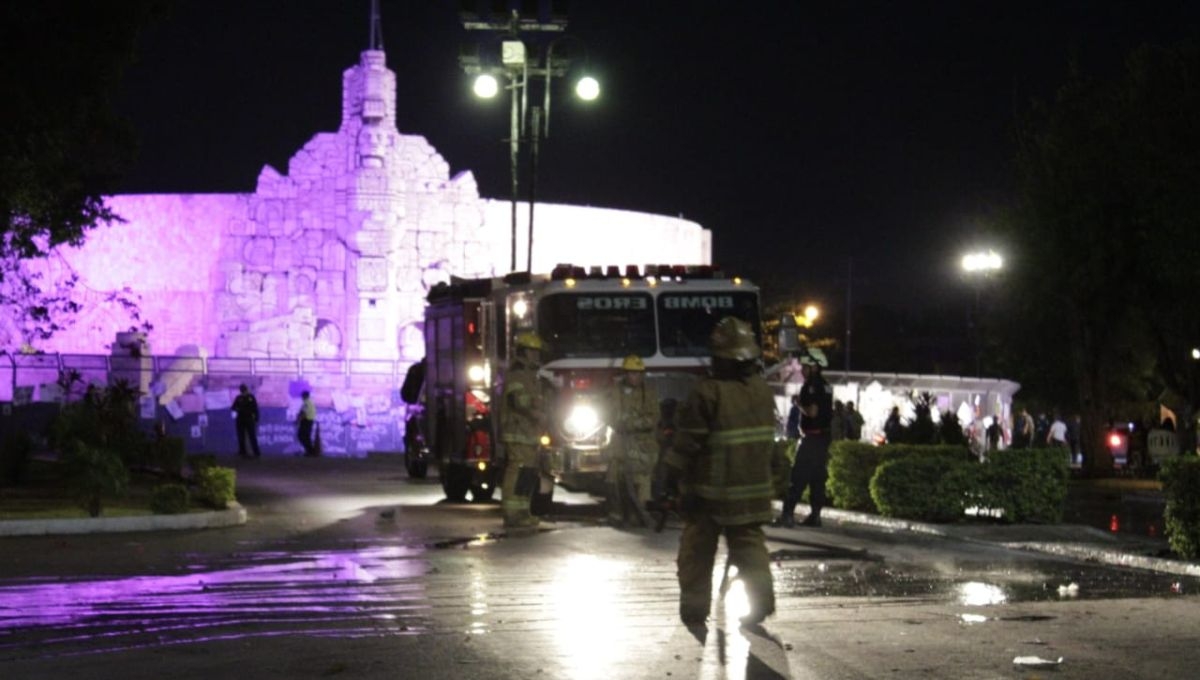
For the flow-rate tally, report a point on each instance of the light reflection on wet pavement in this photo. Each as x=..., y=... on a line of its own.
x=583, y=601
x=369, y=591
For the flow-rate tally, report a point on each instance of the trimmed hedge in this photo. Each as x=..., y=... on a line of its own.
x=853, y=464
x=1030, y=485
x=782, y=459
x=215, y=486
x=169, y=499
x=924, y=487
x=1027, y=485
x=1181, y=486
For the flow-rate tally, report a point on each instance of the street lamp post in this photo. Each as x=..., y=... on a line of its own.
x=979, y=266
x=518, y=67
x=587, y=89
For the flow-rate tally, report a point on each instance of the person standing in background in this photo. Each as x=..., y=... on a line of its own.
x=306, y=419
x=245, y=411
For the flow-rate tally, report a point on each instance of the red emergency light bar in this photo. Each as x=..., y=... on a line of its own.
x=562, y=272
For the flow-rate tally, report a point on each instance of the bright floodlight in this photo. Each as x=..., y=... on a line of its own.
x=1196, y=352
x=588, y=88
x=485, y=86
x=982, y=262
x=811, y=313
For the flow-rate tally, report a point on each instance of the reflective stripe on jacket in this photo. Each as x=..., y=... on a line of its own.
x=724, y=446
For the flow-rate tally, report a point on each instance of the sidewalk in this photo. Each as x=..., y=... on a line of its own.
x=1125, y=505
x=234, y=515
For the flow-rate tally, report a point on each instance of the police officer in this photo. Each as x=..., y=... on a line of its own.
x=812, y=456
x=521, y=424
x=722, y=461
x=634, y=412
x=245, y=410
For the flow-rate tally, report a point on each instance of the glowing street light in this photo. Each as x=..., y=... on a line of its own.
x=522, y=63
x=980, y=265
x=982, y=262
x=809, y=317
x=587, y=89
x=486, y=86
x=1196, y=353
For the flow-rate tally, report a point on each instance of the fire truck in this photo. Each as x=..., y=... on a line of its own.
x=591, y=319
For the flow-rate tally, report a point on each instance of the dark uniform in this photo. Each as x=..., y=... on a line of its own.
x=722, y=455
x=245, y=408
x=812, y=456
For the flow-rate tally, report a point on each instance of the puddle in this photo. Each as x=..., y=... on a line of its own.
x=368, y=591
x=972, y=584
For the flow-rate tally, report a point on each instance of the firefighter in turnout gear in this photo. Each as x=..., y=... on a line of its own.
x=633, y=408
x=522, y=422
x=722, y=461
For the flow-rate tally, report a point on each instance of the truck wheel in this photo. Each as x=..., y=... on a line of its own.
x=456, y=481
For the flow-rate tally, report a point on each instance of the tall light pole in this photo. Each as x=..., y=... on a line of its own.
x=587, y=89
x=979, y=266
x=519, y=66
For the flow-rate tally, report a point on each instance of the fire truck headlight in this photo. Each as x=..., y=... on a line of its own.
x=476, y=374
x=582, y=421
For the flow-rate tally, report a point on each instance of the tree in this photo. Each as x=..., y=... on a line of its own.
x=41, y=296
x=62, y=144
x=33, y=307
x=1163, y=97
x=1105, y=229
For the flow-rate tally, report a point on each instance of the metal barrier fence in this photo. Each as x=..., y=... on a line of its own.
x=357, y=408
x=206, y=365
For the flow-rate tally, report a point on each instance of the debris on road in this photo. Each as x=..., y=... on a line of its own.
x=1037, y=663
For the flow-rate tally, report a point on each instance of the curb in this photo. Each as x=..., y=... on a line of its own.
x=1079, y=551
x=1113, y=557
x=234, y=515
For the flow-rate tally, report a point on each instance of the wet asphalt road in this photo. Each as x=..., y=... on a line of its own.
x=320, y=584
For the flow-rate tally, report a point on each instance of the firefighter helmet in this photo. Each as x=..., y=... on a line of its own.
x=733, y=338
x=633, y=363
x=530, y=340
x=814, y=357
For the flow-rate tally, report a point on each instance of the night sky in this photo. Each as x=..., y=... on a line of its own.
x=801, y=133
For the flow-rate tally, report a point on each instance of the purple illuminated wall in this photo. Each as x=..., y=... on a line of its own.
x=334, y=258
x=331, y=260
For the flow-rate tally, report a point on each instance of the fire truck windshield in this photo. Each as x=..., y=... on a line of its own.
x=597, y=324
x=687, y=318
